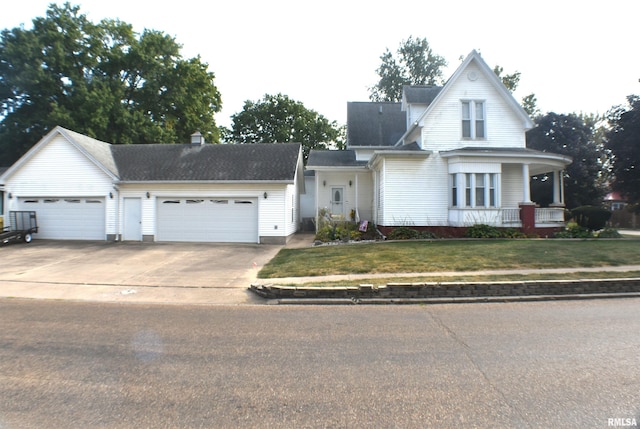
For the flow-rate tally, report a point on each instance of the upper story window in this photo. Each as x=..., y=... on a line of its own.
x=473, y=120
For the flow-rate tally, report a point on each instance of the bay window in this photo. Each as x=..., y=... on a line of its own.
x=480, y=190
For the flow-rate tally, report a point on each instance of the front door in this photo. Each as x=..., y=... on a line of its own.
x=132, y=228
x=337, y=201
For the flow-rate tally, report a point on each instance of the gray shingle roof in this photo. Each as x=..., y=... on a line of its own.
x=333, y=158
x=186, y=162
x=374, y=124
x=99, y=150
x=209, y=162
x=420, y=94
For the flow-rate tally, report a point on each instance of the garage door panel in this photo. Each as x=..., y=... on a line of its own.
x=75, y=218
x=208, y=219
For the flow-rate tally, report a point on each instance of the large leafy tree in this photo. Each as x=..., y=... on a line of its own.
x=574, y=136
x=103, y=80
x=511, y=81
x=414, y=64
x=623, y=140
x=279, y=119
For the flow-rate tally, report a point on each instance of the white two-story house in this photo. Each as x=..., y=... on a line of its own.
x=445, y=158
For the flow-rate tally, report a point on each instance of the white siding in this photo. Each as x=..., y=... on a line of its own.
x=416, y=192
x=58, y=169
x=442, y=129
x=308, y=199
x=512, y=193
x=273, y=218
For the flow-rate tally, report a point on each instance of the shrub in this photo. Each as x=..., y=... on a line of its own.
x=482, y=231
x=402, y=233
x=344, y=231
x=591, y=217
x=609, y=233
x=574, y=231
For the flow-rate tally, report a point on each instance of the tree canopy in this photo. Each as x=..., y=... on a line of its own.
x=415, y=64
x=623, y=140
x=102, y=80
x=279, y=119
x=574, y=136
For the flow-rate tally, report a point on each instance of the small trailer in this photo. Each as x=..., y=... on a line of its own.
x=22, y=226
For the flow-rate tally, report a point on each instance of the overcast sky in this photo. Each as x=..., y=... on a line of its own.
x=574, y=55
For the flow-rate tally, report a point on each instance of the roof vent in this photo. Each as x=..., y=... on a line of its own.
x=197, y=138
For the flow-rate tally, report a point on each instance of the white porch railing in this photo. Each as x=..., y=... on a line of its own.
x=550, y=215
x=510, y=216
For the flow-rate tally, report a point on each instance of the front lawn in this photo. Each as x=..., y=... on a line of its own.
x=450, y=255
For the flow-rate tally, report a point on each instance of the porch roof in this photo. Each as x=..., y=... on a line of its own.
x=539, y=162
x=333, y=158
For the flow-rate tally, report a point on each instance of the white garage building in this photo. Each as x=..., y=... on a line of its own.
x=85, y=189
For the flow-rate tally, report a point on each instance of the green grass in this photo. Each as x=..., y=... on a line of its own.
x=450, y=255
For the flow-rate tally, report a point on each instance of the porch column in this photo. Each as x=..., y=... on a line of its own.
x=527, y=207
x=525, y=184
x=558, y=192
x=556, y=187
x=357, y=219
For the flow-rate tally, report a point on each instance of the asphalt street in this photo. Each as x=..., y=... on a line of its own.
x=571, y=364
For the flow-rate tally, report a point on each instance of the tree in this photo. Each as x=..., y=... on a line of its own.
x=102, y=80
x=529, y=102
x=623, y=140
x=568, y=135
x=416, y=64
x=279, y=119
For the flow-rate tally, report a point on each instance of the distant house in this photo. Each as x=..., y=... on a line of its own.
x=85, y=189
x=444, y=158
x=614, y=201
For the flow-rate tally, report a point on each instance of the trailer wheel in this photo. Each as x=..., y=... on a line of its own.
x=27, y=237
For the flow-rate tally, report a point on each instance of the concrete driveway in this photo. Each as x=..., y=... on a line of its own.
x=132, y=272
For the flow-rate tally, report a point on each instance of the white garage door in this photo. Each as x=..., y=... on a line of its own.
x=222, y=220
x=78, y=218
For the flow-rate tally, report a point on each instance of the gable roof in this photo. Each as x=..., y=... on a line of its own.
x=474, y=57
x=182, y=162
x=374, y=124
x=208, y=162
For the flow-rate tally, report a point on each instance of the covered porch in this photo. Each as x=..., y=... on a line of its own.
x=493, y=187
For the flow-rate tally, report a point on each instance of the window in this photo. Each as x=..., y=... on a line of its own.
x=473, y=120
x=467, y=190
x=480, y=190
x=454, y=191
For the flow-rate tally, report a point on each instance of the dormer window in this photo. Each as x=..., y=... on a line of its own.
x=473, y=123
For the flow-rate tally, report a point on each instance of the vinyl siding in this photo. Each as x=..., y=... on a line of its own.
x=511, y=185
x=416, y=192
x=58, y=169
x=271, y=211
x=442, y=129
